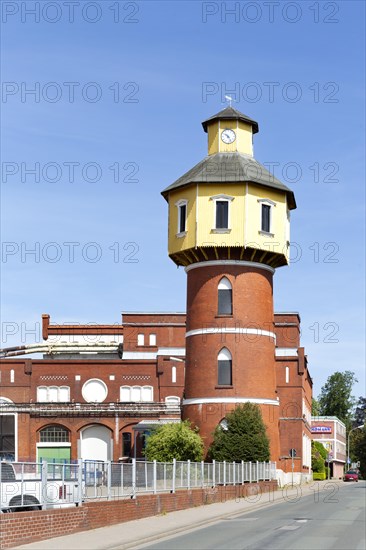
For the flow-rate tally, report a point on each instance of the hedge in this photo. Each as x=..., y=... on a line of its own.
x=319, y=476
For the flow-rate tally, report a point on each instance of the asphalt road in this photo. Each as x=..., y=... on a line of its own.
x=333, y=519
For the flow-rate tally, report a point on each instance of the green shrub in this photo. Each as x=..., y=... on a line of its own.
x=174, y=440
x=243, y=438
x=319, y=476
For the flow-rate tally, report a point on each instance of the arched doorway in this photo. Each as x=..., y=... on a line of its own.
x=96, y=443
x=54, y=444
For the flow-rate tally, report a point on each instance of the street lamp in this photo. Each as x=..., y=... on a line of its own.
x=349, y=433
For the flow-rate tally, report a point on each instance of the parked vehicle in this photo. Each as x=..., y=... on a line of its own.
x=25, y=487
x=351, y=475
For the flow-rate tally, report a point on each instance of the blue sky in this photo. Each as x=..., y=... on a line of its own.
x=141, y=77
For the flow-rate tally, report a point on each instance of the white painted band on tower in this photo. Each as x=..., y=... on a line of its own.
x=239, y=263
x=207, y=400
x=231, y=330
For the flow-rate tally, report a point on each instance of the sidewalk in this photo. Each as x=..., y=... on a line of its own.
x=142, y=531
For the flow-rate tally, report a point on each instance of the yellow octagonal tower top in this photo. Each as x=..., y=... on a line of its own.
x=228, y=206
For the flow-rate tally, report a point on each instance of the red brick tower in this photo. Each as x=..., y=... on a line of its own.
x=229, y=226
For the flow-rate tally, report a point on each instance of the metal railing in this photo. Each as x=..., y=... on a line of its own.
x=108, y=480
x=52, y=484
x=80, y=409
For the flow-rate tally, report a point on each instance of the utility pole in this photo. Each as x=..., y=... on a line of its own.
x=292, y=455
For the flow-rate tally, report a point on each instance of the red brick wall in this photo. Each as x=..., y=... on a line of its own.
x=26, y=527
x=287, y=327
x=253, y=355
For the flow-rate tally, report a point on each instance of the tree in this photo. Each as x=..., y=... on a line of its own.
x=318, y=457
x=336, y=396
x=360, y=412
x=242, y=437
x=358, y=446
x=174, y=440
x=315, y=411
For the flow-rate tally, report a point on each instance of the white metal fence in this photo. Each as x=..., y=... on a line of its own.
x=60, y=484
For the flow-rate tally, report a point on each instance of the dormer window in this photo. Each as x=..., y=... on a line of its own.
x=266, y=225
x=222, y=213
x=182, y=217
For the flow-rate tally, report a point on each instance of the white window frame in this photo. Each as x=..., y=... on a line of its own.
x=222, y=198
x=141, y=339
x=271, y=204
x=172, y=401
x=287, y=373
x=152, y=339
x=225, y=355
x=139, y=389
x=48, y=392
x=128, y=390
x=224, y=284
x=179, y=204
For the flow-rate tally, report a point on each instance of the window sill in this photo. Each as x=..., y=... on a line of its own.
x=224, y=387
x=266, y=234
x=223, y=230
x=225, y=315
x=181, y=235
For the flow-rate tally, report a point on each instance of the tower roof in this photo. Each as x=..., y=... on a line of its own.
x=231, y=168
x=229, y=113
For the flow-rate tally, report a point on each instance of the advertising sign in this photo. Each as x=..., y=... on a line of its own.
x=321, y=430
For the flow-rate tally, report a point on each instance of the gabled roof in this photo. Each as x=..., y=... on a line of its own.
x=229, y=113
x=231, y=168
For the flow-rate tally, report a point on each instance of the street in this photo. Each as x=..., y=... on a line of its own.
x=334, y=519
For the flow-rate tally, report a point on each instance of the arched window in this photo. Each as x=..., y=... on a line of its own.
x=54, y=434
x=146, y=393
x=224, y=374
x=53, y=394
x=172, y=401
x=136, y=393
x=126, y=444
x=225, y=297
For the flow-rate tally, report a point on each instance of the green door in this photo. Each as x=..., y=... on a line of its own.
x=54, y=454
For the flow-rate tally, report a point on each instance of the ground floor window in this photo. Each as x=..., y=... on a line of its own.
x=7, y=437
x=126, y=442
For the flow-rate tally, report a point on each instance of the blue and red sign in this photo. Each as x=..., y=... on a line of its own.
x=321, y=430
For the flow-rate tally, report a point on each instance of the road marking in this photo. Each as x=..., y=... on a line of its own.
x=301, y=520
x=241, y=519
x=289, y=528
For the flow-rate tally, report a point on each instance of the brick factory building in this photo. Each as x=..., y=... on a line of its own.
x=98, y=390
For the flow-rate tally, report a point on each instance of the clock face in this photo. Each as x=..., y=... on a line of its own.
x=228, y=136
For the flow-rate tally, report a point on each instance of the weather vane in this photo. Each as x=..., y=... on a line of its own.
x=228, y=99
